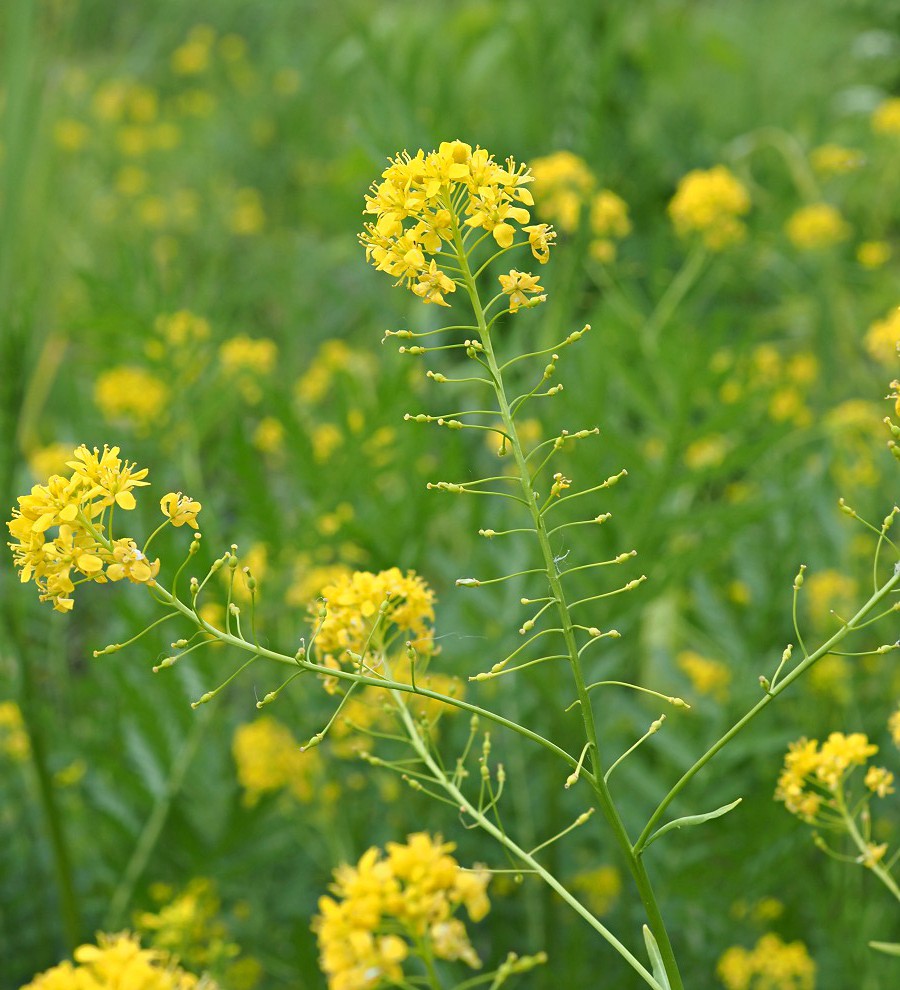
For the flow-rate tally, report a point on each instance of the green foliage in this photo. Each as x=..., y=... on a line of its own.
x=725, y=495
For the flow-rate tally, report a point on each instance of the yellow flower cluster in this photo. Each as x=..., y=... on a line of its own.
x=353, y=602
x=388, y=903
x=188, y=927
x=709, y=203
x=426, y=200
x=564, y=187
x=814, y=774
x=835, y=159
x=707, y=676
x=785, y=382
x=80, y=507
x=883, y=338
x=771, y=965
x=816, y=227
x=873, y=254
x=131, y=395
x=116, y=962
x=14, y=742
x=609, y=223
x=886, y=118
x=600, y=888
x=269, y=759
x=562, y=183
x=244, y=360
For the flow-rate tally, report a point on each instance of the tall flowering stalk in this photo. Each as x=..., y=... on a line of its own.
x=440, y=222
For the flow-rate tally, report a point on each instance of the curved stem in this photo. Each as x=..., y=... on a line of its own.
x=462, y=802
x=826, y=648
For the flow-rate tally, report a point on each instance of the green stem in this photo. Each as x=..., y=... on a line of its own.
x=883, y=875
x=671, y=299
x=823, y=650
x=462, y=802
x=53, y=816
x=149, y=837
x=601, y=790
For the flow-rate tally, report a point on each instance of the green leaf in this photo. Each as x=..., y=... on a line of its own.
x=891, y=948
x=656, y=962
x=692, y=820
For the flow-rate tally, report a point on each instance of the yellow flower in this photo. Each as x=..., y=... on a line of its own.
x=707, y=676
x=424, y=200
x=609, y=215
x=411, y=893
x=893, y=725
x=247, y=215
x=182, y=328
x=873, y=254
x=14, y=742
x=180, y=509
x=519, y=286
x=353, y=603
x=248, y=354
x=132, y=395
x=540, y=238
x=562, y=184
x=883, y=338
x=886, y=118
x=431, y=285
x=879, y=781
x=106, y=477
x=600, y=887
x=129, y=562
x=269, y=759
x=834, y=159
x=118, y=961
x=708, y=203
x=817, y=226
x=269, y=435
x=771, y=965
x=45, y=461
x=193, y=57
x=70, y=135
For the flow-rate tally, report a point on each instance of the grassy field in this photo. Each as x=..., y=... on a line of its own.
x=181, y=190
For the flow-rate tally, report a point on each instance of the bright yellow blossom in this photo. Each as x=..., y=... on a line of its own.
x=883, y=337
x=834, y=159
x=771, y=965
x=180, y=509
x=426, y=201
x=709, y=203
x=873, y=254
x=132, y=395
x=886, y=118
x=816, y=227
x=388, y=905
x=117, y=962
x=519, y=286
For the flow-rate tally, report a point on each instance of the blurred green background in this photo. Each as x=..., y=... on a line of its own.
x=211, y=159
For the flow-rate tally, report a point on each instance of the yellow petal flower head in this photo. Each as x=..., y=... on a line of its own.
x=352, y=605
x=883, y=338
x=519, y=286
x=180, y=509
x=408, y=895
x=886, y=118
x=708, y=203
x=432, y=284
x=106, y=477
x=130, y=562
x=816, y=227
x=433, y=203
x=117, y=962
